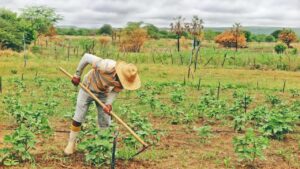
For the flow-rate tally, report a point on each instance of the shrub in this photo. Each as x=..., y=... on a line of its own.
x=104, y=40
x=280, y=48
x=227, y=39
x=133, y=40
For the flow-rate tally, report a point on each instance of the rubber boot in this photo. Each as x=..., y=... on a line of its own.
x=70, y=149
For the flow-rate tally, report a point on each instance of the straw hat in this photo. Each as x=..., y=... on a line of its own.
x=128, y=75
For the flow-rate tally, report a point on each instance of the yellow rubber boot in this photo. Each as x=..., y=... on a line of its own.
x=71, y=147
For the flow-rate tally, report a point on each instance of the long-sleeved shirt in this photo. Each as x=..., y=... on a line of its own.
x=102, y=78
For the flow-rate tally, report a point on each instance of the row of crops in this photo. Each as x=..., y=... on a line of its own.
x=32, y=105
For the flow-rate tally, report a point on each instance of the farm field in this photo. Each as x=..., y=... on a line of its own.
x=195, y=120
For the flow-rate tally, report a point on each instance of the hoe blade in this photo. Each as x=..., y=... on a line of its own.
x=140, y=151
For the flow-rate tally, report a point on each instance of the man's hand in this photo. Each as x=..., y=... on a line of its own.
x=75, y=80
x=107, y=109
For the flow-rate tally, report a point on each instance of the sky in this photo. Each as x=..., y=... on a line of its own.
x=215, y=13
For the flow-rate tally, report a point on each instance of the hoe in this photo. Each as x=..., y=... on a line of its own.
x=145, y=145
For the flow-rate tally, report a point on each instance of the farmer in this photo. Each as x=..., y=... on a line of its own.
x=105, y=80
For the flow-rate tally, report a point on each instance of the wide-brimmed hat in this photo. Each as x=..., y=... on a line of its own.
x=128, y=75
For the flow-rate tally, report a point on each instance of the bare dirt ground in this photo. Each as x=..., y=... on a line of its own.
x=179, y=147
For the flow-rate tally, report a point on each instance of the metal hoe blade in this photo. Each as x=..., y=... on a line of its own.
x=140, y=151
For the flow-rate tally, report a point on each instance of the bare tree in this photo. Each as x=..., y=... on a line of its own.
x=236, y=30
x=195, y=29
x=178, y=28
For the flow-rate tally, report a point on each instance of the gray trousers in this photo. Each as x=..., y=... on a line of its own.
x=83, y=102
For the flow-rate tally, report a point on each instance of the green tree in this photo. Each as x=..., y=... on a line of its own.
x=259, y=38
x=152, y=31
x=276, y=33
x=13, y=29
x=247, y=35
x=105, y=29
x=40, y=17
x=210, y=34
x=270, y=38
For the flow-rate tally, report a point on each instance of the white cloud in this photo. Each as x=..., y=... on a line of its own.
x=91, y=13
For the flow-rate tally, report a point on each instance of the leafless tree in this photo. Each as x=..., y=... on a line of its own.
x=178, y=28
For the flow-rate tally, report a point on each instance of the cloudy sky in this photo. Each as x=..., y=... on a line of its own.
x=94, y=13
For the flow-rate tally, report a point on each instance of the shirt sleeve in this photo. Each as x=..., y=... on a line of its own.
x=85, y=60
x=111, y=96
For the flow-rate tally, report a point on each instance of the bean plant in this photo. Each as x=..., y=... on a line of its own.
x=249, y=147
x=20, y=142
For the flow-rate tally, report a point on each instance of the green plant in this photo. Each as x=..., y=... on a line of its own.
x=204, y=133
x=295, y=92
x=142, y=127
x=250, y=147
x=279, y=48
x=278, y=123
x=20, y=142
x=177, y=96
x=96, y=145
x=258, y=115
x=211, y=107
x=239, y=122
x=274, y=100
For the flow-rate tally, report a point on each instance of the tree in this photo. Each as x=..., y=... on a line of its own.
x=13, y=29
x=195, y=28
x=210, y=34
x=276, y=33
x=248, y=35
x=236, y=31
x=41, y=18
x=152, y=31
x=105, y=29
x=288, y=36
x=178, y=28
x=259, y=38
x=270, y=38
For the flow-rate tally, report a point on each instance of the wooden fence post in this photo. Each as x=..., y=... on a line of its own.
x=0, y=84
x=219, y=87
x=199, y=83
x=284, y=84
x=69, y=50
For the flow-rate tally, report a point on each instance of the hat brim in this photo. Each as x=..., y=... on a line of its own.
x=128, y=85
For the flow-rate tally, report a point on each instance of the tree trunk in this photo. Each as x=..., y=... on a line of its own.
x=178, y=43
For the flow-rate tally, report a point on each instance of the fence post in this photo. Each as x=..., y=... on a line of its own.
x=218, y=94
x=284, y=84
x=69, y=50
x=0, y=84
x=199, y=82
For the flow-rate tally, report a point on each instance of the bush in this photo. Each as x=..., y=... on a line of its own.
x=227, y=39
x=133, y=40
x=280, y=48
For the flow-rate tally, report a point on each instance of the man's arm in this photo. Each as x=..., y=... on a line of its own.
x=85, y=60
x=111, y=96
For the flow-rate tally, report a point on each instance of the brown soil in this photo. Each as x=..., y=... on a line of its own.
x=180, y=146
